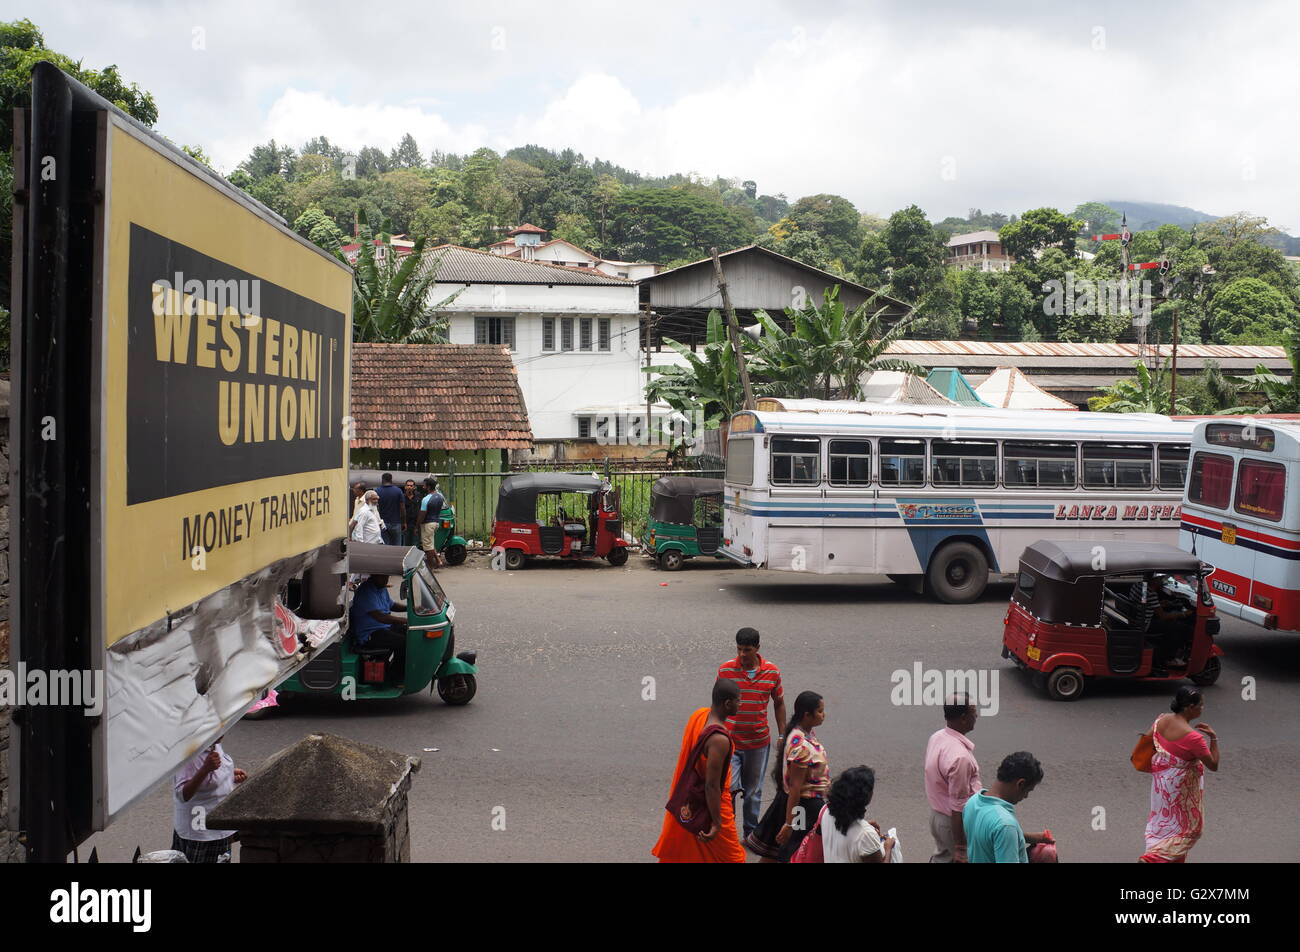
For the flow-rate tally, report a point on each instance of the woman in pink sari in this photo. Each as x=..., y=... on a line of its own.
x=1177, y=779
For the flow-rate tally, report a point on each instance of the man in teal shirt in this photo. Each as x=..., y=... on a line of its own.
x=993, y=833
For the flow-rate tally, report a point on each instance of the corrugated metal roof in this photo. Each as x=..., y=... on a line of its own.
x=1064, y=349
x=457, y=265
x=971, y=237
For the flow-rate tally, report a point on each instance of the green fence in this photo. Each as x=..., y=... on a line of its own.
x=474, y=493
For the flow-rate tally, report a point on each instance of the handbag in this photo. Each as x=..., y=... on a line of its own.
x=689, y=804
x=1143, y=751
x=810, y=847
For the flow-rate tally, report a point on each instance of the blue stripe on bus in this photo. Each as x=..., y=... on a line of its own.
x=1242, y=542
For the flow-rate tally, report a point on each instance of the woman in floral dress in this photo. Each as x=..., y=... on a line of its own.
x=1182, y=752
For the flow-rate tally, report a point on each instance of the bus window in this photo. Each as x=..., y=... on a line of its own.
x=1261, y=489
x=1173, y=464
x=964, y=463
x=1117, y=465
x=1039, y=465
x=850, y=462
x=902, y=463
x=1211, y=480
x=740, y=462
x=796, y=461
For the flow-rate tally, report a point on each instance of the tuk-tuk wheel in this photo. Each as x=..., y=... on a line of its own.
x=455, y=554
x=514, y=559
x=1065, y=684
x=617, y=556
x=1209, y=674
x=670, y=561
x=457, y=689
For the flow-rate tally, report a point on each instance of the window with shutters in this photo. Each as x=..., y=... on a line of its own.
x=495, y=330
x=566, y=333
x=602, y=333
x=548, y=333
x=584, y=333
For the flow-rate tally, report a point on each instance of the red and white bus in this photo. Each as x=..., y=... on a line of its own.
x=1241, y=514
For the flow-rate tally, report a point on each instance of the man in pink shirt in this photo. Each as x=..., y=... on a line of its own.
x=952, y=776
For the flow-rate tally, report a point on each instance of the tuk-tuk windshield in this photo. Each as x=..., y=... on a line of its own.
x=427, y=595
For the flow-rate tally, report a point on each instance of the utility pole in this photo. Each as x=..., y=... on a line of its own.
x=733, y=331
x=1173, y=375
x=651, y=321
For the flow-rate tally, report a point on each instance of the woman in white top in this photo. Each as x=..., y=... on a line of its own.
x=366, y=525
x=847, y=835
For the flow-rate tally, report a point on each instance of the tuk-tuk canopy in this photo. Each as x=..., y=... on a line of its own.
x=517, y=498
x=1063, y=582
x=672, y=498
x=1073, y=559
x=373, y=558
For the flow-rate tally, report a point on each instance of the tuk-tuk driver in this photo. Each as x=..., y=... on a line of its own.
x=1174, y=621
x=372, y=618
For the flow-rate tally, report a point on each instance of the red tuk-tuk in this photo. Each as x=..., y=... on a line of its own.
x=518, y=531
x=1084, y=609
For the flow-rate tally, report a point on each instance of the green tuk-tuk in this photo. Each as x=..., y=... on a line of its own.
x=350, y=672
x=685, y=520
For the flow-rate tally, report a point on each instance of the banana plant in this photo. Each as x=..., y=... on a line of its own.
x=828, y=349
x=709, y=379
x=1281, y=394
x=390, y=295
x=1146, y=393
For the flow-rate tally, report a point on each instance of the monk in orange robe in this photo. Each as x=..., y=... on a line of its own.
x=719, y=844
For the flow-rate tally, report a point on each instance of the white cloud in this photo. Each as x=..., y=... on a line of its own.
x=1030, y=106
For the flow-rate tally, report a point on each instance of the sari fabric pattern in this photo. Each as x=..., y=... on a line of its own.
x=1177, y=815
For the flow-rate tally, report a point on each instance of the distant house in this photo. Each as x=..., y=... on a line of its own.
x=572, y=334
x=526, y=243
x=980, y=250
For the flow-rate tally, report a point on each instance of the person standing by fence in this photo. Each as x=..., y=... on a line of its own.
x=411, y=514
x=390, y=509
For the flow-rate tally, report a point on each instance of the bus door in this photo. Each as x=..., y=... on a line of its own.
x=795, y=504
x=849, y=524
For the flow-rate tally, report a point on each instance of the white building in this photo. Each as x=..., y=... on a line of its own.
x=574, y=334
x=526, y=244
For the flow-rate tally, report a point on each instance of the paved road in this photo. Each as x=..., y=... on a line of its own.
x=561, y=738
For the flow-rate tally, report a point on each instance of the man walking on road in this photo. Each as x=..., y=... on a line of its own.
x=759, y=682
x=431, y=507
x=390, y=509
x=992, y=828
x=718, y=844
x=952, y=776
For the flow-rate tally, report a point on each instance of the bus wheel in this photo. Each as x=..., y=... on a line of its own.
x=670, y=561
x=1209, y=674
x=958, y=573
x=514, y=559
x=1065, y=684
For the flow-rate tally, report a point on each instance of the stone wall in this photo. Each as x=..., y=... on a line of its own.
x=11, y=851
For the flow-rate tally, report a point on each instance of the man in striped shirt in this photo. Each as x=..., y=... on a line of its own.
x=759, y=682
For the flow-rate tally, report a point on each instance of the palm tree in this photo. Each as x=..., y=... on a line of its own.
x=1281, y=394
x=390, y=295
x=1148, y=392
x=826, y=345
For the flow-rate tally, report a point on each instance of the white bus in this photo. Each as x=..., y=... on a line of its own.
x=937, y=498
x=1242, y=515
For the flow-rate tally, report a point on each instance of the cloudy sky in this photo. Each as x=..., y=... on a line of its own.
x=1003, y=106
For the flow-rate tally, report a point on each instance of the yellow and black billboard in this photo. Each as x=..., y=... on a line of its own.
x=224, y=391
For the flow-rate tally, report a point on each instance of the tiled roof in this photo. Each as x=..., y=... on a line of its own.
x=437, y=396
x=457, y=265
x=528, y=229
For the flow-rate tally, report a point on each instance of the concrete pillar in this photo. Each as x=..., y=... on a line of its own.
x=325, y=799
